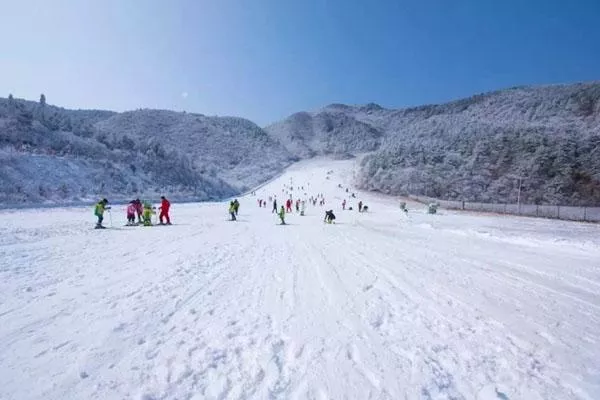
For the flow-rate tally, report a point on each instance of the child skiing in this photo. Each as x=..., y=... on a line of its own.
x=232, y=211
x=99, y=212
x=131, y=208
x=282, y=215
x=147, y=215
x=164, y=210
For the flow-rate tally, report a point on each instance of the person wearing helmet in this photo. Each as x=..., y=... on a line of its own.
x=99, y=212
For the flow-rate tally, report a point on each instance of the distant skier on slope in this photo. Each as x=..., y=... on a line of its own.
x=360, y=204
x=282, y=215
x=148, y=213
x=329, y=217
x=99, y=212
x=303, y=208
x=236, y=205
x=344, y=204
x=274, y=206
x=139, y=209
x=232, y=211
x=165, y=205
x=131, y=208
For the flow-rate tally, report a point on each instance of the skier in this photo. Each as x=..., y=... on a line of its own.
x=329, y=217
x=303, y=208
x=139, y=209
x=232, y=211
x=164, y=210
x=344, y=204
x=148, y=212
x=259, y=203
x=99, y=212
x=360, y=206
x=282, y=215
x=298, y=205
x=131, y=208
x=236, y=206
x=288, y=206
x=274, y=206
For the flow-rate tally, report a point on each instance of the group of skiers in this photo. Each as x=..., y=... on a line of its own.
x=143, y=211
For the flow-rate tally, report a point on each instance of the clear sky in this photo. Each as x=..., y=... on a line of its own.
x=265, y=59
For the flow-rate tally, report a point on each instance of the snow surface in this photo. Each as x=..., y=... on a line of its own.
x=378, y=306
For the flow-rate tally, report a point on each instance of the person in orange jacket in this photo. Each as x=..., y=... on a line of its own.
x=164, y=210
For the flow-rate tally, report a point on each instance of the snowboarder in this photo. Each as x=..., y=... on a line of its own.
x=164, y=210
x=282, y=215
x=99, y=212
x=236, y=206
x=329, y=217
x=232, y=211
x=148, y=213
x=131, y=208
x=360, y=206
x=344, y=204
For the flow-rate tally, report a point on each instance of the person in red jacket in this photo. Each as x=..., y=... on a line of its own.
x=164, y=210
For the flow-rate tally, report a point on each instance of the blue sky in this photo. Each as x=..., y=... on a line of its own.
x=265, y=59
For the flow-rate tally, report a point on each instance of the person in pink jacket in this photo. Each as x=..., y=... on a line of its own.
x=131, y=209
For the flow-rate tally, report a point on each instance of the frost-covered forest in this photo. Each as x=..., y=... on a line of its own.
x=546, y=138
x=474, y=149
x=49, y=154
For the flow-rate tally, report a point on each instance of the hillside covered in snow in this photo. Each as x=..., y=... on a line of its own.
x=49, y=154
x=473, y=149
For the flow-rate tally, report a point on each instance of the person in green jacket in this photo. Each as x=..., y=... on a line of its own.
x=232, y=210
x=99, y=212
x=147, y=215
x=282, y=215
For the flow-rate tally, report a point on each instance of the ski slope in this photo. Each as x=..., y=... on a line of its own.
x=378, y=306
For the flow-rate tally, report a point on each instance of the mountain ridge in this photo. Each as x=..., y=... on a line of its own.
x=464, y=149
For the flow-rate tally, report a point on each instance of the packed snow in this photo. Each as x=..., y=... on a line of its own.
x=379, y=305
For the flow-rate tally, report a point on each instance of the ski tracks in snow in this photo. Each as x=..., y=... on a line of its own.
x=378, y=306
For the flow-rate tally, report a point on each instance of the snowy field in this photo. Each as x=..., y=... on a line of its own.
x=378, y=306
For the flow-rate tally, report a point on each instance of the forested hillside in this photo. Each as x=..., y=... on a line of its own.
x=473, y=149
x=49, y=154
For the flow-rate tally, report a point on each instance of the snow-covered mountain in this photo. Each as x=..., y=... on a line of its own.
x=472, y=149
x=49, y=154
x=336, y=130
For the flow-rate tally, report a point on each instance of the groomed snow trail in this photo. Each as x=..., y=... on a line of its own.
x=378, y=306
